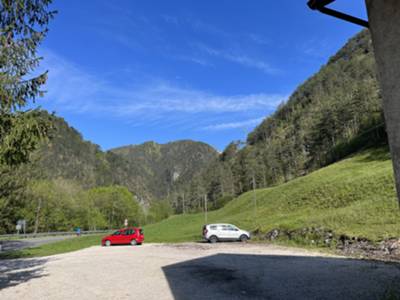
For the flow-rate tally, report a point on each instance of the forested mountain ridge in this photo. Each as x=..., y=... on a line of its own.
x=165, y=167
x=334, y=113
x=148, y=170
x=327, y=112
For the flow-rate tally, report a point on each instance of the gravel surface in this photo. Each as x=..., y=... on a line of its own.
x=196, y=271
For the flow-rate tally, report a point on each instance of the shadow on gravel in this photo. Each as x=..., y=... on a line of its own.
x=241, y=276
x=14, y=272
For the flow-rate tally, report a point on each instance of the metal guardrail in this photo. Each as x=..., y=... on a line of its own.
x=55, y=233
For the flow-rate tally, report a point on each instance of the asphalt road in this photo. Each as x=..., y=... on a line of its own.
x=31, y=242
x=197, y=271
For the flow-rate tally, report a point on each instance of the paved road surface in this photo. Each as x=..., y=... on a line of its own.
x=196, y=271
x=31, y=242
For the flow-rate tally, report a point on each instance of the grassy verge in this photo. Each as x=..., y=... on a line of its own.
x=68, y=245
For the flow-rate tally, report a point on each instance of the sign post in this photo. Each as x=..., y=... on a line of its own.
x=205, y=209
x=21, y=225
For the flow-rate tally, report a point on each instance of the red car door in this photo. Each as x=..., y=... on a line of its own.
x=127, y=236
x=132, y=235
x=116, y=237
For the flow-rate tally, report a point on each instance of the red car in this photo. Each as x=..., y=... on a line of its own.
x=131, y=235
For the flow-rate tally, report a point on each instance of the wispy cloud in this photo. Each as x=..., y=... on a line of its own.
x=235, y=125
x=74, y=90
x=163, y=97
x=170, y=19
x=141, y=34
x=208, y=28
x=315, y=47
x=252, y=63
x=238, y=58
x=258, y=39
x=193, y=59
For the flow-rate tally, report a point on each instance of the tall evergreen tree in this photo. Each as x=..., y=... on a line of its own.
x=23, y=26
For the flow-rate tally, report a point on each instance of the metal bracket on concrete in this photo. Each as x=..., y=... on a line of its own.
x=320, y=5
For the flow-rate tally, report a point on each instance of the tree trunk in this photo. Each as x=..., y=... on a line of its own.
x=183, y=203
x=254, y=199
x=37, y=215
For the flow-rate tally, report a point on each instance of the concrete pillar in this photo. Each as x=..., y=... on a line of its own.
x=384, y=19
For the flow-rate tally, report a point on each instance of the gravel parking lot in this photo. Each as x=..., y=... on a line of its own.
x=197, y=271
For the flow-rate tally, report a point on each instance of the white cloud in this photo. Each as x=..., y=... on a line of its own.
x=193, y=59
x=241, y=59
x=252, y=63
x=170, y=19
x=208, y=28
x=72, y=89
x=258, y=39
x=163, y=97
x=315, y=47
x=235, y=125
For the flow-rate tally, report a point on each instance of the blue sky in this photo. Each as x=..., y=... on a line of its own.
x=125, y=72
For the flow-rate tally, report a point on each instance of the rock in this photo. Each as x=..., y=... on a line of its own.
x=347, y=245
x=272, y=235
x=257, y=233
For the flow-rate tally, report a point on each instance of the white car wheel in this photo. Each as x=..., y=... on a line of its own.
x=213, y=239
x=243, y=238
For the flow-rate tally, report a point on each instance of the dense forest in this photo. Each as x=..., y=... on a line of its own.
x=166, y=168
x=148, y=170
x=333, y=114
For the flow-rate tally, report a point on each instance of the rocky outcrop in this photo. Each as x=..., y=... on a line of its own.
x=360, y=247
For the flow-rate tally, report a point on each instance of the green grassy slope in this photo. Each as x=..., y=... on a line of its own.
x=68, y=245
x=355, y=197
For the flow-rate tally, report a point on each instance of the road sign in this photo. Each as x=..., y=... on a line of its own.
x=21, y=224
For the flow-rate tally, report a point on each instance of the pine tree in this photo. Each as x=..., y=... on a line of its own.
x=23, y=26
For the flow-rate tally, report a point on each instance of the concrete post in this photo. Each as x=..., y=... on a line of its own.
x=384, y=20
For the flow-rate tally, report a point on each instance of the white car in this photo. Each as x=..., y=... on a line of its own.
x=224, y=232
